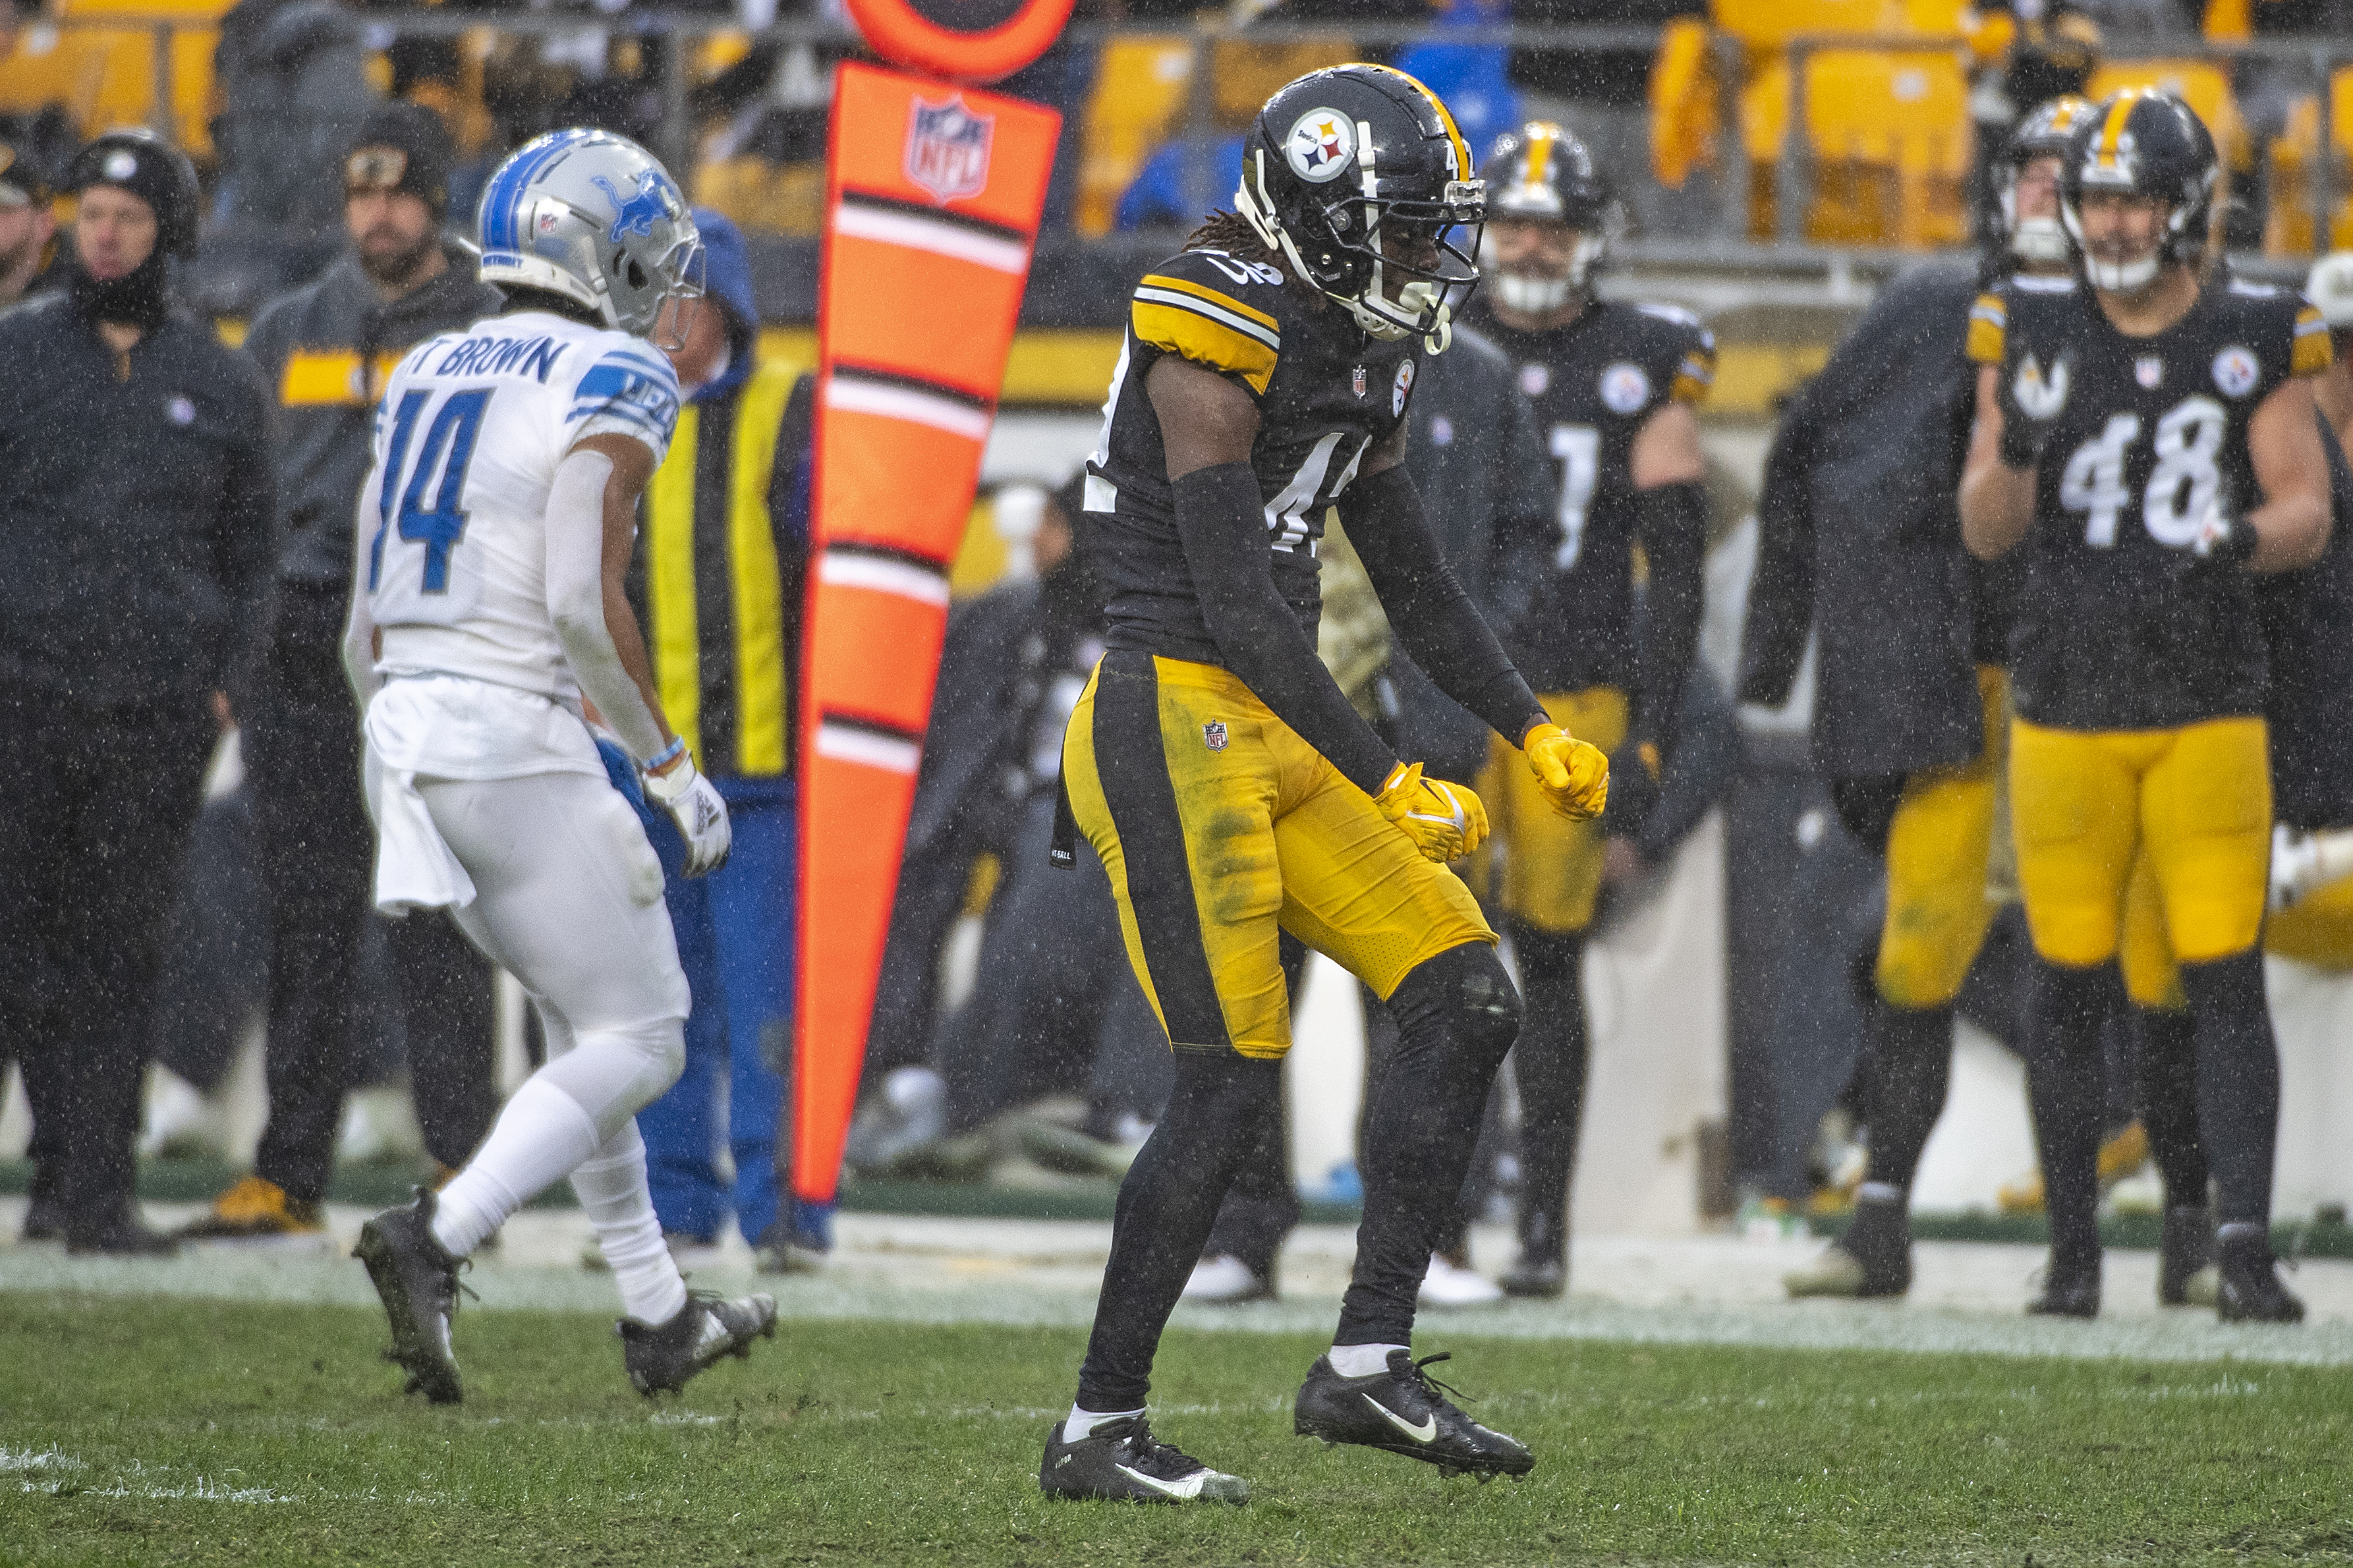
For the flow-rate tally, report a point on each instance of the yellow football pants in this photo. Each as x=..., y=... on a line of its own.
x=2196, y=801
x=1937, y=850
x=1220, y=828
x=1552, y=867
x=2318, y=930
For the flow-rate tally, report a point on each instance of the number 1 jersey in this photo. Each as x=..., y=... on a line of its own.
x=468, y=438
x=2118, y=626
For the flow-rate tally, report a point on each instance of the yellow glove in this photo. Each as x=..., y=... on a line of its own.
x=1573, y=774
x=1444, y=820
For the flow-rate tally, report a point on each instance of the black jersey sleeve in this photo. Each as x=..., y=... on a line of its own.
x=1681, y=353
x=1212, y=310
x=1257, y=634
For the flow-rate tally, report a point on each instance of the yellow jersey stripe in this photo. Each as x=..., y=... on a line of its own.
x=2313, y=352
x=1989, y=329
x=670, y=584
x=760, y=673
x=1203, y=339
x=1203, y=292
x=317, y=378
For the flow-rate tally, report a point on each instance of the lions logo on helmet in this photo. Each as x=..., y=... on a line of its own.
x=594, y=218
x=1408, y=211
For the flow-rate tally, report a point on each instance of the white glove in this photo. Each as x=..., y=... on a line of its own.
x=701, y=815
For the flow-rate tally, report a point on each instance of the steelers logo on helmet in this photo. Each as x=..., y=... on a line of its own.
x=1393, y=242
x=2235, y=372
x=1321, y=146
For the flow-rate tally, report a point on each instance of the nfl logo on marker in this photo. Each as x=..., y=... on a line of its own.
x=947, y=148
x=1213, y=734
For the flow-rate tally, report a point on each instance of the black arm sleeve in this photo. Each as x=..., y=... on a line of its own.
x=1781, y=593
x=1434, y=618
x=1218, y=522
x=1672, y=521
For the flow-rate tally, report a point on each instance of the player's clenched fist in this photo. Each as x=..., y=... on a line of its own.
x=1573, y=775
x=1444, y=820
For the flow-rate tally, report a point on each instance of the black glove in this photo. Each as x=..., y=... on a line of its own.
x=2029, y=401
x=2223, y=543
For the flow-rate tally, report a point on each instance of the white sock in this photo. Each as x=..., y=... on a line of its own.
x=1879, y=1193
x=542, y=1134
x=1079, y=1423
x=1361, y=1361
x=611, y=1186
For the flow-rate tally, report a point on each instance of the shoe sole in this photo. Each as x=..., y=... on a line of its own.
x=1232, y=1489
x=429, y=1374
x=1484, y=1467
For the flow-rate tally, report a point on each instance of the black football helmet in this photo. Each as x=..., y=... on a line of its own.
x=1355, y=173
x=2142, y=143
x=149, y=168
x=2043, y=133
x=1541, y=174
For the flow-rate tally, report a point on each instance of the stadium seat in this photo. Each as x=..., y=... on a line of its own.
x=105, y=75
x=1139, y=94
x=763, y=197
x=2294, y=157
x=1891, y=140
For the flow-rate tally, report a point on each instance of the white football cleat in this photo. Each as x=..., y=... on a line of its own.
x=1448, y=1286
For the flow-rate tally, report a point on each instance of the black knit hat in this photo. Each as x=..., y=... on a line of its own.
x=140, y=161
x=20, y=173
x=424, y=154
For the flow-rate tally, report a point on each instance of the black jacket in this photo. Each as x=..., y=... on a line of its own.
x=135, y=508
x=324, y=352
x=1861, y=512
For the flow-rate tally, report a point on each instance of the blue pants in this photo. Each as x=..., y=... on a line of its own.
x=736, y=942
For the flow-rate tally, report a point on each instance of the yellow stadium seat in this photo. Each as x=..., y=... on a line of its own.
x=2294, y=156
x=758, y=196
x=1767, y=25
x=105, y=75
x=1891, y=140
x=1139, y=94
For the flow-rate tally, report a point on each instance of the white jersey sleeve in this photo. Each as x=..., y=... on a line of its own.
x=467, y=441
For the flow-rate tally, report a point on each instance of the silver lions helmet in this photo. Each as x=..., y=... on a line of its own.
x=595, y=218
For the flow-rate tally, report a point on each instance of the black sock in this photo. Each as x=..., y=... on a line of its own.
x=1549, y=1066
x=2238, y=1083
x=2168, y=1102
x=2065, y=1087
x=1457, y=1016
x=1166, y=1206
x=1911, y=1058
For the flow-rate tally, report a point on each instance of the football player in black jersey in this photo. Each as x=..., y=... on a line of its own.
x=1233, y=792
x=1614, y=387
x=2148, y=434
x=1911, y=710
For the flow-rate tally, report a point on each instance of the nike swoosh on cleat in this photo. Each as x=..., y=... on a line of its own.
x=1425, y=1433
x=1189, y=1488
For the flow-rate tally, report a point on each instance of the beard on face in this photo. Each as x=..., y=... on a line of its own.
x=384, y=259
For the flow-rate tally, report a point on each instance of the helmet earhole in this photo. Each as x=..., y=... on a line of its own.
x=636, y=273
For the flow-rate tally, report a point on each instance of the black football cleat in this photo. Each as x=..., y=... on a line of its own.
x=1537, y=1277
x=663, y=1357
x=2068, y=1292
x=416, y=1280
x=1119, y=1461
x=1403, y=1410
x=2249, y=1289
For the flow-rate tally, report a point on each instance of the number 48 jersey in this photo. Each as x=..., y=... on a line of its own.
x=454, y=515
x=2118, y=626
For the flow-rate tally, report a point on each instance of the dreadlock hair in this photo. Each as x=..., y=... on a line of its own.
x=1231, y=232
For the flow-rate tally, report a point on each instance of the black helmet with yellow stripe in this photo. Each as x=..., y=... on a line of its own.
x=1541, y=174
x=1357, y=176
x=2044, y=133
x=2147, y=144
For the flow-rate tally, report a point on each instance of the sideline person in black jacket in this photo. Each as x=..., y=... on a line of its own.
x=324, y=352
x=135, y=520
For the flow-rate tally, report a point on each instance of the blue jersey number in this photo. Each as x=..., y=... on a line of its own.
x=449, y=447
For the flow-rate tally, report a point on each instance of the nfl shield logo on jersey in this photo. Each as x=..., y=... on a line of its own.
x=947, y=149
x=2148, y=370
x=1357, y=380
x=1213, y=734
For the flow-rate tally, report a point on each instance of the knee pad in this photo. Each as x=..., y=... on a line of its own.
x=616, y=1072
x=1463, y=996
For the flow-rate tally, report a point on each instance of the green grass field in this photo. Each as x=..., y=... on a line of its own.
x=147, y=1431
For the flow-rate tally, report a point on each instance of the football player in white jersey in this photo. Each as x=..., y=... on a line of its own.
x=487, y=619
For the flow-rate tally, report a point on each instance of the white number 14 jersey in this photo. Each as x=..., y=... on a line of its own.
x=468, y=438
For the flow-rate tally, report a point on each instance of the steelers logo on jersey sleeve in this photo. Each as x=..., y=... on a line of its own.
x=1625, y=387
x=1321, y=146
x=2236, y=371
